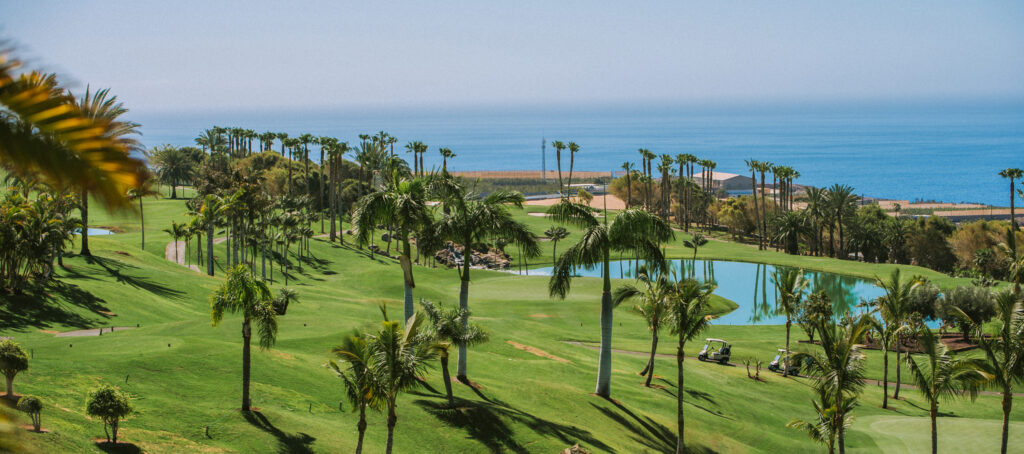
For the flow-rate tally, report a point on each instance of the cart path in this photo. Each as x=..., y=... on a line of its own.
x=169, y=252
x=875, y=382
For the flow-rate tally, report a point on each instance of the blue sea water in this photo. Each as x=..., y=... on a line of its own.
x=929, y=151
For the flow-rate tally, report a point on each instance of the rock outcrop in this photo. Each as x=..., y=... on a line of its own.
x=487, y=258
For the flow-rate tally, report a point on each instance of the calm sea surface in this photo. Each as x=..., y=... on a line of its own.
x=946, y=152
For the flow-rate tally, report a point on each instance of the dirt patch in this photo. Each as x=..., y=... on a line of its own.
x=123, y=253
x=541, y=316
x=28, y=427
x=538, y=352
x=282, y=355
x=107, y=313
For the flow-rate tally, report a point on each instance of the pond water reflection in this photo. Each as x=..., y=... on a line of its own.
x=750, y=286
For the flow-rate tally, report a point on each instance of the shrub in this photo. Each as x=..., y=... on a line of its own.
x=924, y=301
x=33, y=406
x=817, y=306
x=111, y=405
x=12, y=361
x=975, y=302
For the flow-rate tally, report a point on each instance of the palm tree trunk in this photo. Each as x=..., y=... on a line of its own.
x=1007, y=405
x=142, y=223
x=85, y=223
x=604, y=362
x=246, y=362
x=680, y=443
x=361, y=426
x=896, y=393
x=406, y=251
x=757, y=216
x=447, y=379
x=209, y=247
x=392, y=420
x=785, y=364
x=934, y=413
x=885, y=375
x=840, y=430
x=650, y=362
x=460, y=373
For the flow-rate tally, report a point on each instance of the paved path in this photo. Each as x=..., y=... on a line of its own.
x=169, y=253
x=93, y=332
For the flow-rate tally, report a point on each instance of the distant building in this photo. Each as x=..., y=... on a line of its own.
x=726, y=181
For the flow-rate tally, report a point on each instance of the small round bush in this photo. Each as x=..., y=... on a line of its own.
x=111, y=405
x=33, y=406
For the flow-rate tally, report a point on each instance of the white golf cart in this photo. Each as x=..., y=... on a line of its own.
x=776, y=364
x=711, y=353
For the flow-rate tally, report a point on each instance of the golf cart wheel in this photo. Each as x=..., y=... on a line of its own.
x=723, y=361
x=702, y=357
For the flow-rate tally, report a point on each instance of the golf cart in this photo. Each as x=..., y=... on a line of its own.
x=776, y=364
x=710, y=353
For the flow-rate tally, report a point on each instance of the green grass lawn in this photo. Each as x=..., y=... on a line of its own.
x=185, y=374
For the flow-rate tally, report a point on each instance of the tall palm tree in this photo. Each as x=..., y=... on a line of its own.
x=649, y=158
x=753, y=165
x=1003, y=363
x=242, y=293
x=838, y=368
x=817, y=200
x=447, y=331
x=211, y=211
x=402, y=204
x=414, y=148
x=1012, y=174
x=628, y=167
x=688, y=317
x=843, y=203
x=652, y=306
x=559, y=146
x=143, y=190
x=573, y=149
x=471, y=220
x=400, y=357
x=787, y=228
x=893, y=307
x=556, y=234
x=790, y=285
x=360, y=383
x=942, y=376
x=104, y=108
x=632, y=231
x=445, y=154
x=176, y=231
x=665, y=167
x=763, y=167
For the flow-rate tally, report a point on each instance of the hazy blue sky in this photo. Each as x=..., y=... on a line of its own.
x=174, y=55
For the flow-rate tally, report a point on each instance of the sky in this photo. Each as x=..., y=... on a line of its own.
x=221, y=55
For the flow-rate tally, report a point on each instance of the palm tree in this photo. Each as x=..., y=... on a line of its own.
x=414, y=148
x=665, y=167
x=790, y=284
x=628, y=167
x=573, y=149
x=632, y=231
x=787, y=227
x=471, y=220
x=695, y=241
x=47, y=133
x=447, y=331
x=176, y=231
x=762, y=167
x=688, y=317
x=1004, y=355
x=843, y=202
x=556, y=234
x=1012, y=174
x=942, y=377
x=649, y=159
x=652, y=306
x=893, y=309
x=559, y=146
x=402, y=204
x=360, y=384
x=399, y=357
x=817, y=200
x=838, y=369
x=104, y=108
x=211, y=211
x=753, y=165
x=241, y=293
x=445, y=154
x=143, y=190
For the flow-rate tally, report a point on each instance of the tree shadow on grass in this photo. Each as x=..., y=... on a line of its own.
x=41, y=307
x=691, y=396
x=488, y=423
x=116, y=269
x=644, y=430
x=118, y=448
x=297, y=442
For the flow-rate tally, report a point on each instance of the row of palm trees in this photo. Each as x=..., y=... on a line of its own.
x=37, y=227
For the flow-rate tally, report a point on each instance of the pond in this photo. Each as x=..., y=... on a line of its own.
x=750, y=286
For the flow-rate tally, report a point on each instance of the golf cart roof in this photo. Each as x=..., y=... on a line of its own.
x=714, y=340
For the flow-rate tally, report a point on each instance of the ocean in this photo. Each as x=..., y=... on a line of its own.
x=949, y=152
